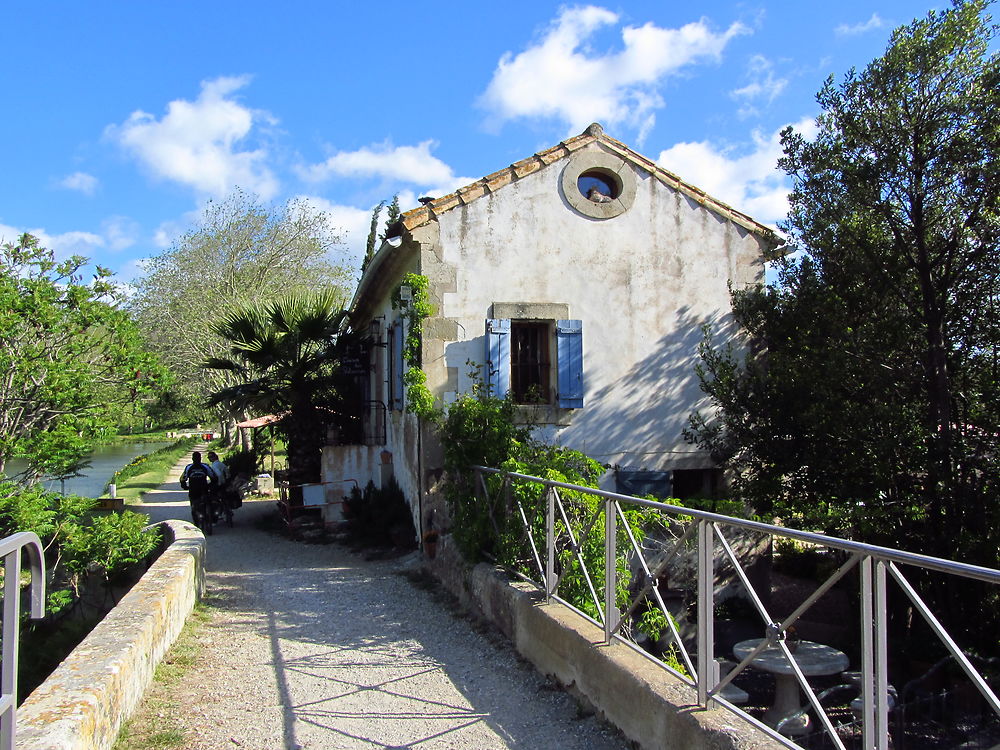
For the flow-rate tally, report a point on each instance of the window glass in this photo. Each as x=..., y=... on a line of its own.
x=597, y=186
x=530, y=362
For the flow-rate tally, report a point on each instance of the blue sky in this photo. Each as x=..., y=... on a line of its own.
x=124, y=118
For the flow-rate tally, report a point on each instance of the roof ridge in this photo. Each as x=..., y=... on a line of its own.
x=466, y=194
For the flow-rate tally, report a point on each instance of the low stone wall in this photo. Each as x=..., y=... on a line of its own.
x=83, y=703
x=648, y=704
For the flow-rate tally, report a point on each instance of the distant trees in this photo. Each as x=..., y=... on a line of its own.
x=70, y=359
x=242, y=252
x=392, y=216
x=869, y=402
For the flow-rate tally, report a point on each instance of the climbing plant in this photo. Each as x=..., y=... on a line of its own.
x=419, y=399
x=480, y=428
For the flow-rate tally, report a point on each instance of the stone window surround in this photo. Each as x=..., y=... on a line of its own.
x=608, y=165
x=537, y=414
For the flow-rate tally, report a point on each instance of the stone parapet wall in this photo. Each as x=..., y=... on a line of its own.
x=84, y=702
x=649, y=705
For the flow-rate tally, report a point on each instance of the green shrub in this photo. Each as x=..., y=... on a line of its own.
x=480, y=429
x=381, y=516
x=110, y=543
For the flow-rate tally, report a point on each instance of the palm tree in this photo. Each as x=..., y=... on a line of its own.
x=283, y=351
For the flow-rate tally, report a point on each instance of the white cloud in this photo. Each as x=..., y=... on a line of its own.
x=353, y=223
x=562, y=77
x=81, y=182
x=120, y=232
x=117, y=233
x=198, y=143
x=751, y=182
x=414, y=165
x=872, y=24
x=763, y=86
x=70, y=243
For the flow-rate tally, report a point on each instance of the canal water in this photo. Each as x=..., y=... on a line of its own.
x=104, y=462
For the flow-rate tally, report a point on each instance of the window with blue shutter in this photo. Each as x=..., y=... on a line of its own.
x=498, y=356
x=398, y=365
x=569, y=356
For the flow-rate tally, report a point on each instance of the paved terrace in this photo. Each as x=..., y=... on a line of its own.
x=311, y=646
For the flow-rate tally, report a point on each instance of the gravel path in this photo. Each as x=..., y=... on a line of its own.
x=311, y=646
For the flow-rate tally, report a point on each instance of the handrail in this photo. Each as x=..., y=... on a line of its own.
x=989, y=575
x=875, y=566
x=10, y=550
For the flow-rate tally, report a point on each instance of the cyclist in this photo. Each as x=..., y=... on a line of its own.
x=197, y=479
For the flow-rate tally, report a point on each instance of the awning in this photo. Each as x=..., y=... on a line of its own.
x=261, y=421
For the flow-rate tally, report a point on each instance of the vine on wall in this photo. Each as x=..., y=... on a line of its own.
x=419, y=399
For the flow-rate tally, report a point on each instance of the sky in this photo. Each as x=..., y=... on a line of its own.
x=125, y=118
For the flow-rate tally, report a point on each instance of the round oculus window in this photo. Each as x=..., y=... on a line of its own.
x=598, y=184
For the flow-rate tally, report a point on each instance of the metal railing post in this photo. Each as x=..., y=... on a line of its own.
x=11, y=623
x=10, y=549
x=867, y=654
x=874, y=655
x=611, y=613
x=550, y=543
x=881, y=659
x=706, y=611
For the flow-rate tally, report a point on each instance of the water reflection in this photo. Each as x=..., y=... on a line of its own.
x=104, y=462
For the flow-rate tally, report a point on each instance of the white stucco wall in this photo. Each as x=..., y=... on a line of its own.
x=643, y=283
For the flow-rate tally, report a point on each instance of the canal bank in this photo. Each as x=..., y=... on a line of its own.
x=104, y=461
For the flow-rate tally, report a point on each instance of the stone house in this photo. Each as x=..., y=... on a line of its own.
x=579, y=280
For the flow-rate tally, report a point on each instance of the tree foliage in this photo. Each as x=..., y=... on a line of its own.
x=242, y=252
x=868, y=403
x=282, y=359
x=71, y=361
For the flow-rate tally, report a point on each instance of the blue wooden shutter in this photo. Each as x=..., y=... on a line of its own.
x=398, y=366
x=498, y=356
x=569, y=351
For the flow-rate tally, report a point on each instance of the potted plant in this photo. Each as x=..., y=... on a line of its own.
x=430, y=543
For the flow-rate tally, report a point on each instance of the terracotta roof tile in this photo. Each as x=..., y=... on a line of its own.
x=469, y=193
x=416, y=216
x=444, y=203
x=526, y=166
x=578, y=142
x=501, y=178
x=553, y=154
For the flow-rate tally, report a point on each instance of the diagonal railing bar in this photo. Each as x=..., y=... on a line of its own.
x=531, y=539
x=875, y=562
x=653, y=584
x=818, y=594
x=938, y=628
x=489, y=500
x=743, y=576
x=652, y=576
x=754, y=652
x=811, y=696
x=575, y=546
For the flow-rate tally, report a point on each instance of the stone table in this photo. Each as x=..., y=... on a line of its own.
x=813, y=659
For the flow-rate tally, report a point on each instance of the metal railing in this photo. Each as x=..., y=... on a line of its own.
x=10, y=549
x=552, y=548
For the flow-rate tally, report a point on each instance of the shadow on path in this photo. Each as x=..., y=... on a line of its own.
x=321, y=649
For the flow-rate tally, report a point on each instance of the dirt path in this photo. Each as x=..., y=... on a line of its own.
x=310, y=646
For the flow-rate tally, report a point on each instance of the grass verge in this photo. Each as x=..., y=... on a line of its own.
x=155, y=724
